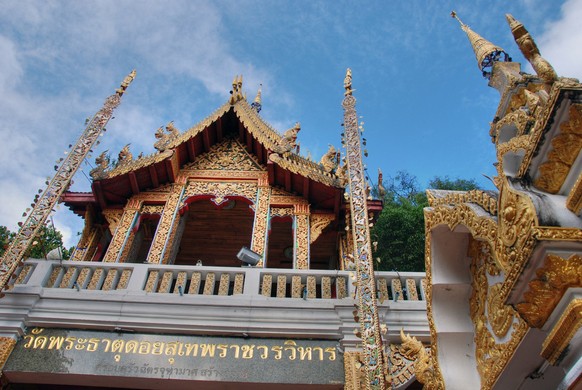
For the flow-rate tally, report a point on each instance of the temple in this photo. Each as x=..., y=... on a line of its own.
x=226, y=259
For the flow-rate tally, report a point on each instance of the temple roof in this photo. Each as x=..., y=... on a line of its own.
x=236, y=119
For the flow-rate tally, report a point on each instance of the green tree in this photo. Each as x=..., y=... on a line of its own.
x=399, y=230
x=5, y=238
x=46, y=240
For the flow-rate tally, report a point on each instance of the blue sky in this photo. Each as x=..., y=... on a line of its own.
x=425, y=105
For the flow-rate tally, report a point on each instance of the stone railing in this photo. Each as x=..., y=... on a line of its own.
x=212, y=281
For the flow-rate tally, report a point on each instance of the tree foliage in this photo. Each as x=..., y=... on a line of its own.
x=399, y=230
x=46, y=240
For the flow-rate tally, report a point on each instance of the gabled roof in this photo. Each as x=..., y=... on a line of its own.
x=238, y=120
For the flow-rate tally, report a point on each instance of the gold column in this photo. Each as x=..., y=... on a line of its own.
x=261, y=225
x=301, y=236
x=87, y=237
x=123, y=237
x=6, y=346
x=160, y=250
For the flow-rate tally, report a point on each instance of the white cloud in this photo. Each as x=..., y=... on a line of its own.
x=59, y=61
x=561, y=42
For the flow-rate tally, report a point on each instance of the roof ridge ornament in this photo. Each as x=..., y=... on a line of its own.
x=530, y=51
x=256, y=104
x=348, y=82
x=486, y=52
x=236, y=92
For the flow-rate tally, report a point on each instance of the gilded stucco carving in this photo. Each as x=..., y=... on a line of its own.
x=565, y=149
x=562, y=333
x=229, y=155
x=500, y=315
x=152, y=209
x=542, y=233
x=544, y=118
x=281, y=212
x=492, y=356
x=425, y=373
x=221, y=190
x=574, y=200
x=487, y=200
x=512, y=248
x=544, y=293
x=6, y=346
x=317, y=224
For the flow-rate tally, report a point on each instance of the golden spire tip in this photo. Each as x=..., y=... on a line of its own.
x=454, y=16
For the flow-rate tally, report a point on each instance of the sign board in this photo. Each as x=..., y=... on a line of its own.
x=199, y=358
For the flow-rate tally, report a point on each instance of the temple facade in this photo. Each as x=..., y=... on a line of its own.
x=226, y=260
x=156, y=290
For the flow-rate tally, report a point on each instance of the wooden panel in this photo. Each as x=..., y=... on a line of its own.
x=215, y=235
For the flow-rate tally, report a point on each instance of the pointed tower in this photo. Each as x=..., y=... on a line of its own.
x=493, y=61
x=486, y=52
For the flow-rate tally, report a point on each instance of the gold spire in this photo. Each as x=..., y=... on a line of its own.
x=256, y=104
x=258, y=98
x=486, y=52
x=125, y=83
x=530, y=51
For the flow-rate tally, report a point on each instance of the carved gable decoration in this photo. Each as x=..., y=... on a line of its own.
x=229, y=155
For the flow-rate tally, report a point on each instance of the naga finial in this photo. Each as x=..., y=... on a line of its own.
x=236, y=92
x=348, y=82
x=530, y=50
x=486, y=52
x=125, y=83
x=124, y=155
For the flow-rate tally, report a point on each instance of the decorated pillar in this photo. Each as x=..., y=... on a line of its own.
x=90, y=237
x=57, y=185
x=370, y=333
x=6, y=346
x=261, y=225
x=123, y=237
x=162, y=243
x=301, y=236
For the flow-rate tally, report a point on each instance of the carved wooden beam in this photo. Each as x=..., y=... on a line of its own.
x=206, y=139
x=271, y=172
x=133, y=182
x=288, y=183
x=219, y=131
x=154, y=176
x=98, y=191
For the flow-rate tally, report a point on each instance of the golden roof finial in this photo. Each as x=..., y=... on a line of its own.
x=258, y=97
x=530, y=51
x=256, y=104
x=486, y=52
x=125, y=83
x=348, y=82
